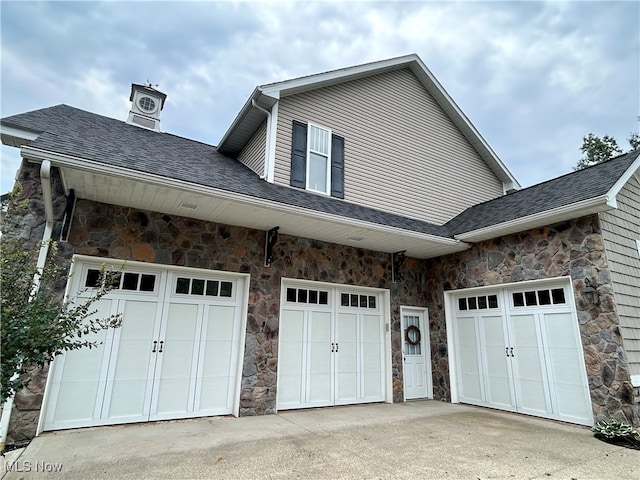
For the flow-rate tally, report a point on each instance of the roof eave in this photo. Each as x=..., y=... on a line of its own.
x=16, y=136
x=446, y=244
x=536, y=220
x=265, y=101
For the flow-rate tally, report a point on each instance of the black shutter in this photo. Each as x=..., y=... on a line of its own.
x=337, y=166
x=299, y=155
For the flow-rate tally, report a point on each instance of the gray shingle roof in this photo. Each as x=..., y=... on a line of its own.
x=591, y=182
x=71, y=131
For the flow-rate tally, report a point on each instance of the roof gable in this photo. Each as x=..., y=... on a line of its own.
x=250, y=118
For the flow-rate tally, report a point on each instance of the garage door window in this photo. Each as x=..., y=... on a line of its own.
x=209, y=288
x=481, y=302
x=354, y=300
x=133, y=282
x=309, y=296
x=554, y=296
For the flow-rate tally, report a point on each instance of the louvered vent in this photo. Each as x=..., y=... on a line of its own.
x=143, y=122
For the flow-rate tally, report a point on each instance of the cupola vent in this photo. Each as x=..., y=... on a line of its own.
x=146, y=105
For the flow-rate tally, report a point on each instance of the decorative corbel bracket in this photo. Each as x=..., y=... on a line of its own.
x=270, y=242
x=397, y=259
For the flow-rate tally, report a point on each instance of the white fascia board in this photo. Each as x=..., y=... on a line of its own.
x=318, y=80
x=78, y=163
x=21, y=134
x=622, y=181
x=548, y=217
x=241, y=114
x=270, y=159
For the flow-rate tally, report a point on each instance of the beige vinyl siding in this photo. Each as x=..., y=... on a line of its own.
x=620, y=230
x=402, y=152
x=253, y=154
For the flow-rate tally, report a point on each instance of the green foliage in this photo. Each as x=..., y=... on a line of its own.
x=596, y=150
x=37, y=325
x=616, y=429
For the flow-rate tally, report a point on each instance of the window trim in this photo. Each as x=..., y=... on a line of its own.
x=309, y=151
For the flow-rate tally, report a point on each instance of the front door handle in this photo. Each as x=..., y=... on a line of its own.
x=161, y=345
x=155, y=344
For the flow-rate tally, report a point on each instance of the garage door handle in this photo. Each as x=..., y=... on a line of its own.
x=162, y=343
x=155, y=344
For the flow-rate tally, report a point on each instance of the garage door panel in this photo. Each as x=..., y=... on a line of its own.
x=290, y=391
x=214, y=395
x=128, y=398
x=173, y=396
x=371, y=331
x=347, y=387
x=320, y=389
x=572, y=402
x=220, y=323
x=217, y=358
x=468, y=360
x=291, y=326
x=528, y=361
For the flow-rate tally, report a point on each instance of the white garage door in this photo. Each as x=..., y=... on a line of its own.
x=177, y=354
x=331, y=346
x=518, y=348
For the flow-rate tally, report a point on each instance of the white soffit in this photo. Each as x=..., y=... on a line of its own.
x=111, y=185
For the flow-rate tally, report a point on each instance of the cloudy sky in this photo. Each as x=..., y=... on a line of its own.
x=533, y=77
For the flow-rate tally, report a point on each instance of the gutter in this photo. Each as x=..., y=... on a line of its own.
x=45, y=179
x=59, y=159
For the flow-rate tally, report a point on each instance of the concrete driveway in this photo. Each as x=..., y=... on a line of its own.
x=414, y=440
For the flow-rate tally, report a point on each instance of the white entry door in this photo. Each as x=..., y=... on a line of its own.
x=518, y=348
x=416, y=355
x=176, y=355
x=331, y=346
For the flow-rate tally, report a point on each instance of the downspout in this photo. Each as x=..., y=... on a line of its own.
x=267, y=149
x=45, y=179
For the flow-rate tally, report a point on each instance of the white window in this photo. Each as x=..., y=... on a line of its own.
x=318, y=159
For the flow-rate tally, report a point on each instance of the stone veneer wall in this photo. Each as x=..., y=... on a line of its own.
x=29, y=225
x=119, y=232
x=572, y=248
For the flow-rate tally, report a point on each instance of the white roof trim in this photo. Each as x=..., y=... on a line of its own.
x=547, y=217
x=17, y=135
x=622, y=181
x=58, y=159
x=332, y=77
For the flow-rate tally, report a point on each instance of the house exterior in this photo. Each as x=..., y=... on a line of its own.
x=351, y=239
